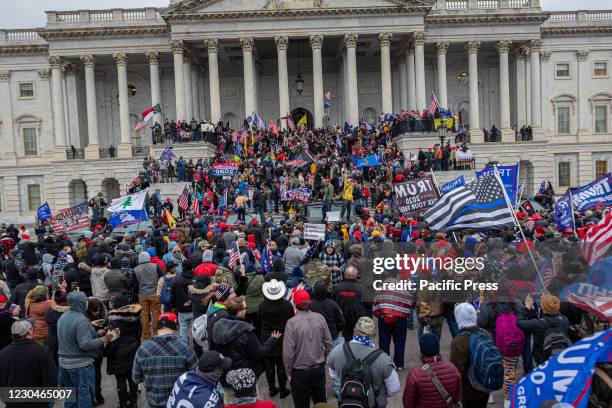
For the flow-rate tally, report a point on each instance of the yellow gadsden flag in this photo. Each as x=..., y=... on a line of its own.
x=303, y=121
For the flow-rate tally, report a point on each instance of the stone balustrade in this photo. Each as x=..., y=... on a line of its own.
x=78, y=17
x=580, y=16
x=484, y=4
x=19, y=36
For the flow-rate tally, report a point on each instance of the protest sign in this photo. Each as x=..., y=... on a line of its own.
x=415, y=196
x=299, y=194
x=563, y=213
x=598, y=192
x=453, y=184
x=70, y=219
x=333, y=216
x=314, y=231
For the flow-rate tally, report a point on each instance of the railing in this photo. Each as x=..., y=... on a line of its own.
x=69, y=17
x=76, y=154
x=108, y=152
x=456, y=4
x=486, y=4
x=599, y=15
x=518, y=3
x=98, y=16
x=101, y=16
x=580, y=16
x=559, y=17
x=134, y=15
x=140, y=151
x=19, y=35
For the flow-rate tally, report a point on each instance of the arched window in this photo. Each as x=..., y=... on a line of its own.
x=370, y=115
x=28, y=129
x=230, y=118
x=564, y=108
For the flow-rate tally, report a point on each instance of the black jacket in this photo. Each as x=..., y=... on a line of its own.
x=15, y=269
x=258, y=199
x=179, y=294
x=273, y=315
x=51, y=318
x=27, y=364
x=121, y=352
x=81, y=275
x=538, y=328
x=18, y=295
x=236, y=339
x=327, y=308
x=116, y=282
x=6, y=321
x=198, y=295
x=347, y=295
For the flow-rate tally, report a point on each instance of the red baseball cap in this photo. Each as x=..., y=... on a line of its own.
x=168, y=315
x=301, y=298
x=3, y=299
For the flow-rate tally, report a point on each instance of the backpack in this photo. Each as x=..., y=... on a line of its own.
x=198, y=330
x=555, y=339
x=486, y=371
x=509, y=339
x=164, y=297
x=356, y=389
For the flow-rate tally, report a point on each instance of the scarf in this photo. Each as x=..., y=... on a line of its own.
x=363, y=340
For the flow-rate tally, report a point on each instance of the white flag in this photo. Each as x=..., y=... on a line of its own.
x=129, y=202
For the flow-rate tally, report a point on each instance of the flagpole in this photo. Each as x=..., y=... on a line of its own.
x=569, y=191
x=435, y=180
x=515, y=220
x=518, y=181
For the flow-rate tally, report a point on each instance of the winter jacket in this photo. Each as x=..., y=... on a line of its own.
x=347, y=295
x=116, y=282
x=76, y=336
x=460, y=357
x=254, y=295
x=197, y=295
x=19, y=294
x=236, y=339
x=420, y=391
x=121, y=352
x=38, y=311
x=328, y=308
x=538, y=328
x=193, y=390
x=98, y=284
x=179, y=294
x=215, y=313
x=6, y=321
x=274, y=315
x=79, y=274
x=51, y=318
x=490, y=311
x=27, y=364
x=147, y=276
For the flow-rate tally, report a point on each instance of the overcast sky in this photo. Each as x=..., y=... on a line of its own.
x=30, y=13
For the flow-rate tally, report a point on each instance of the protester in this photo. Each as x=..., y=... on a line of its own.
x=180, y=300
x=244, y=384
x=59, y=306
x=147, y=275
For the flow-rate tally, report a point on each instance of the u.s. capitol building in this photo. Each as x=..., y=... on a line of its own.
x=75, y=88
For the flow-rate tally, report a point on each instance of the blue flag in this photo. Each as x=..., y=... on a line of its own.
x=389, y=117
x=44, y=212
x=453, y=184
x=369, y=161
x=258, y=122
x=563, y=213
x=598, y=192
x=125, y=218
x=509, y=177
x=347, y=127
x=542, y=187
x=167, y=154
x=565, y=377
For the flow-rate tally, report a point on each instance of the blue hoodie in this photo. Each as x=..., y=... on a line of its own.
x=78, y=341
x=191, y=389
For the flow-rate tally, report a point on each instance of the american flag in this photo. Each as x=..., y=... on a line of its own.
x=70, y=219
x=290, y=123
x=433, y=105
x=196, y=204
x=184, y=199
x=234, y=255
x=598, y=240
x=598, y=305
x=146, y=116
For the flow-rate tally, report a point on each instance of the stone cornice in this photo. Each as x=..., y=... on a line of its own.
x=570, y=31
x=24, y=49
x=104, y=32
x=475, y=20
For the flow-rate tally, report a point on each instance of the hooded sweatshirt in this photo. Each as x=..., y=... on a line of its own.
x=78, y=341
x=327, y=308
x=147, y=276
x=98, y=286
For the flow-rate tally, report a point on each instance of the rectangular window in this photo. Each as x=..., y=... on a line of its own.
x=30, y=142
x=34, y=197
x=26, y=90
x=600, y=69
x=601, y=119
x=562, y=70
x=601, y=168
x=563, y=120
x=565, y=174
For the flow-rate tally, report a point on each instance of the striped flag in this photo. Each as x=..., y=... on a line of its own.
x=479, y=206
x=433, y=105
x=234, y=255
x=273, y=128
x=184, y=199
x=196, y=205
x=290, y=123
x=598, y=305
x=597, y=240
x=146, y=116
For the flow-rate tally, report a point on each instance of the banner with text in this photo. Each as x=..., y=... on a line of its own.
x=70, y=219
x=314, y=231
x=598, y=192
x=415, y=196
x=299, y=194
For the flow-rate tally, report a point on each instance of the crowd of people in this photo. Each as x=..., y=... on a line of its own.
x=197, y=312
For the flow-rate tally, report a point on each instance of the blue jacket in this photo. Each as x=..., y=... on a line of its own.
x=76, y=336
x=193, y=390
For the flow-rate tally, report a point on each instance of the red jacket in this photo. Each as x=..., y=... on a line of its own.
x=420, y=391
x=205, y=268
x=257, y=404
x=158, y=262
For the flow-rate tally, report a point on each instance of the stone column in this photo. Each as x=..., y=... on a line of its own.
x=188, y=86
x=585, y=127
x=178, y=50
x=195, y=92
x=248, y=45
x=213, y=77
x=44, y=95
x=442, y=47
x=6, y=116
x=350, y=41
x=92, y=151
x=521, y=116
x=153, y=60
x=59, y=124
x=411, y=77
x=536, y=95
x=504, y=91
x=476, y=134
x=419, y=61
x=282, y=43
x=316, y=43
x=385, y=68
x=125, y=144
x=403, y=79
x=527, y=87
x=547, y=114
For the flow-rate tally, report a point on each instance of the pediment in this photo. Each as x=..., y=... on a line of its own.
x=233, y=6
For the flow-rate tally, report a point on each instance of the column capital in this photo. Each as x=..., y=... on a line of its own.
x=503, y=46
x=545, y=55
x=282, y=42
x=212, y=44
x=409, y=48
x=88, y=60
x=535, y=45
x=316, y=41
x=247, y=44
x=419, y=37
x=582, y=55
x=442, y=47
x=350, y=40
x=152, y=57
x=472, y=47
x=178, y=47
x=55, y=62
x=68, y=69
x=5, y=76
x=43, y=74
x=187, y=56
x=385, y=39
x=120, y=58
x=520, y=53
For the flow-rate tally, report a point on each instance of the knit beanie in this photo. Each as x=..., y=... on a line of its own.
x=429, y=344
x=550, y=303
x=465, y=315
